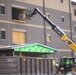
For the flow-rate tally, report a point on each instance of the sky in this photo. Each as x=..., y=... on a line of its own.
x=73, y=0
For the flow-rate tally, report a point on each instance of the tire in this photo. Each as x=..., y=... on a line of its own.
x=73, y=70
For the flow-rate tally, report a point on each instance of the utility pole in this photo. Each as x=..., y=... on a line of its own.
x=44, y=22
x=70, y=18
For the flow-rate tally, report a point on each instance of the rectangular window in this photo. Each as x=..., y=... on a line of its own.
x=74, y=12
x=2, y=9
x=62, y=19
x=75, y=28
x=18, y=37
x=48, y=15
x=18, y=14
x=61, y=1
x=48, y=37
x=2, y=34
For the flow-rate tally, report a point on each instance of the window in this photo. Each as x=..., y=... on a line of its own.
x=75, y=28
x=2, y=34
x=2, y=9
x=48, y=37
x=62, y=19
x=18, y=14
x=72, y=61
x=18, y=37
x=61, y=1
x=62, y=62
x=48, y=15
x=74, y=12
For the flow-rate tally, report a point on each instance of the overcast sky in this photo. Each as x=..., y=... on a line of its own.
x=73, y=0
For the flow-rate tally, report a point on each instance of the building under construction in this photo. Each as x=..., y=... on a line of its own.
x=17, y=28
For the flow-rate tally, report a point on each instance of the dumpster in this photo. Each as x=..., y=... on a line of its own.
x=26, y=66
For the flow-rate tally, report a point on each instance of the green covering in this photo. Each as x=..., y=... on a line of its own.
x=34, y=48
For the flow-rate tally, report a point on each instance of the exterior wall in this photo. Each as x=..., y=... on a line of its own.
x=73, y=6
x=73, y=16
x=35, y=28
x=73, y=21
x=57, y=5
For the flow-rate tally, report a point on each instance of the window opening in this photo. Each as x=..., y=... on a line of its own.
x=74, y=12
x=2, y=9
x=75, y=28
x=48, y=37
x=2, y=34
x=18, y=14
x=62, y=19
x=61, y=1
x=48, y=15
x=18, y=37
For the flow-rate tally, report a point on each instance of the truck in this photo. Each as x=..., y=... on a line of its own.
x=66, y=64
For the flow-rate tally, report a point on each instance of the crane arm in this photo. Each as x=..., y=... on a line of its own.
x=57, y=29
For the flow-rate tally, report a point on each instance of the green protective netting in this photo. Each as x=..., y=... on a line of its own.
x=34, y=48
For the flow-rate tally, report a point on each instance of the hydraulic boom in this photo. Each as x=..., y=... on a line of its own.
x=57, y=29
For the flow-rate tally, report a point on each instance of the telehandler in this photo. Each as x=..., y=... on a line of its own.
x=66, y=64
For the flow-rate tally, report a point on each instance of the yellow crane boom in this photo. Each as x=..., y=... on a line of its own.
x=57, y=29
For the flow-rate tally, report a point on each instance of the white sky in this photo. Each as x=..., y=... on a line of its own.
x=73, y=0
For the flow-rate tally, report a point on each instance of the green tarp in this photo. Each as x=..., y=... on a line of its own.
x=37, y=48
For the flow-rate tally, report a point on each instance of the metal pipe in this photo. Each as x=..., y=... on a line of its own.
x=70, y=18
x=44, y=22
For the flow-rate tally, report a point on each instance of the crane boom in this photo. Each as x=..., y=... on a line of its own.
x=57, y=29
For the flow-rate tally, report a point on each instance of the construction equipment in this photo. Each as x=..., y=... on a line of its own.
x=66, y=65
x=65, y=38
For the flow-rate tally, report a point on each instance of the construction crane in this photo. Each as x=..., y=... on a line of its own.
x=57, y=29
x=69, y=63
